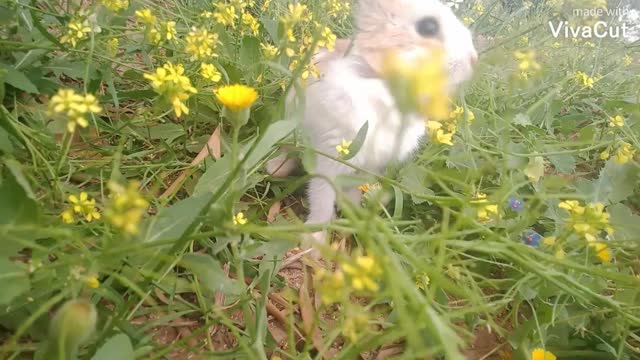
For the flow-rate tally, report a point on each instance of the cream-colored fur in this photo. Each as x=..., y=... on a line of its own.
x=350, y=93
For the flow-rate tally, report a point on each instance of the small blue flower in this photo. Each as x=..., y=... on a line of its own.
x=531, y=238
x=516, y=204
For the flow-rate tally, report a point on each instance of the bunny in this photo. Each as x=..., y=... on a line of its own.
x=351, y=92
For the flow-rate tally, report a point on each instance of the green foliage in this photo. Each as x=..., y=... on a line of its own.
x=448, y=229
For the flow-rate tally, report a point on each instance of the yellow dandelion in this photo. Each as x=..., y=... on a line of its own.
x=541, y=354
x=236, y=97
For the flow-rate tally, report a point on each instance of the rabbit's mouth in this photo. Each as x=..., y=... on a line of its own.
x=461, y=70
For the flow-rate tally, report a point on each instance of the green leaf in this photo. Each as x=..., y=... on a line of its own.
x=18, y=80
x=274, y=133
x=167, y=132
x=249, y=54
x=16, y=170
x=13, y=280
x=413, y=178
x=5, y=144
x=535, y=168
x=118, y=347
x=15, y=205
x=172, y=222
x=626, y=224
x=357, y=142
x=210, y=273
x=564, y=164
x=215, y=175
x=515, y=162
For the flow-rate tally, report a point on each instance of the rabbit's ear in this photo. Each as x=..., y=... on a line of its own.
x=371, y=14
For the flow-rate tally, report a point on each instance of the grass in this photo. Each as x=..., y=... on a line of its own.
x=425, y=268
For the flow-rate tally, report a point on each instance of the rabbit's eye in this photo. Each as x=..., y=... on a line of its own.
x=428, y=27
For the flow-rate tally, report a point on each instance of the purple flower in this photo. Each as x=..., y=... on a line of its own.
x=531, y=238
x=516, y=204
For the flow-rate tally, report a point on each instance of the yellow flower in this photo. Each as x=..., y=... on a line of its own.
x=169, y=81
x=77, y=30
x=68, y=216
x=239, y=219
x=327, y=39
x=170, y=32
x=457, y=112
x=541, y=354
x=468, y=20
x=201, y=43
x=330, y=285
x=624, y=153
x=627, y=60
x=422, y=280
x=112, y=47
x=585, y=79
x=116, y=5
x=471, y=116
x=251, y=23
x=84, y=206
x=268, y=50
x=209, y=72
x=616, y=121
x=605, y=154
x=527, y=60
x=549, y=240
x=236, y=97
x=336, y=9
x=225, y=14
x=297, y=13
x=486, y=212
x=93, y=282
x=145, y=16
x=74, y=106
x=560, y=254
x=572, y=206
x=479, y=8
x=556, y=45
x=343, y=148
x=353, y=325
x=363, y=273
x=602, y=251
x=126, y=206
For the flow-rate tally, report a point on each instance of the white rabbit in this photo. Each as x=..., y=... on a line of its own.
x=350, y=93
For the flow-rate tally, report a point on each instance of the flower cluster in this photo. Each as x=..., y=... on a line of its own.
x=420, y=86
x=201, y=44
x=589, y=222
x=80, y=205
x=77, y=29
x=154, y=32
x=116, y=5
x=585, y=80
x=170, y=82
x=126, y=207
x=74, y=106
x=361, y=274
x=240, y=219
x=485, y=211
x=343, y=148
x=623, y=154
x=527, y=63
x=337, y=10
x=210, y=72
